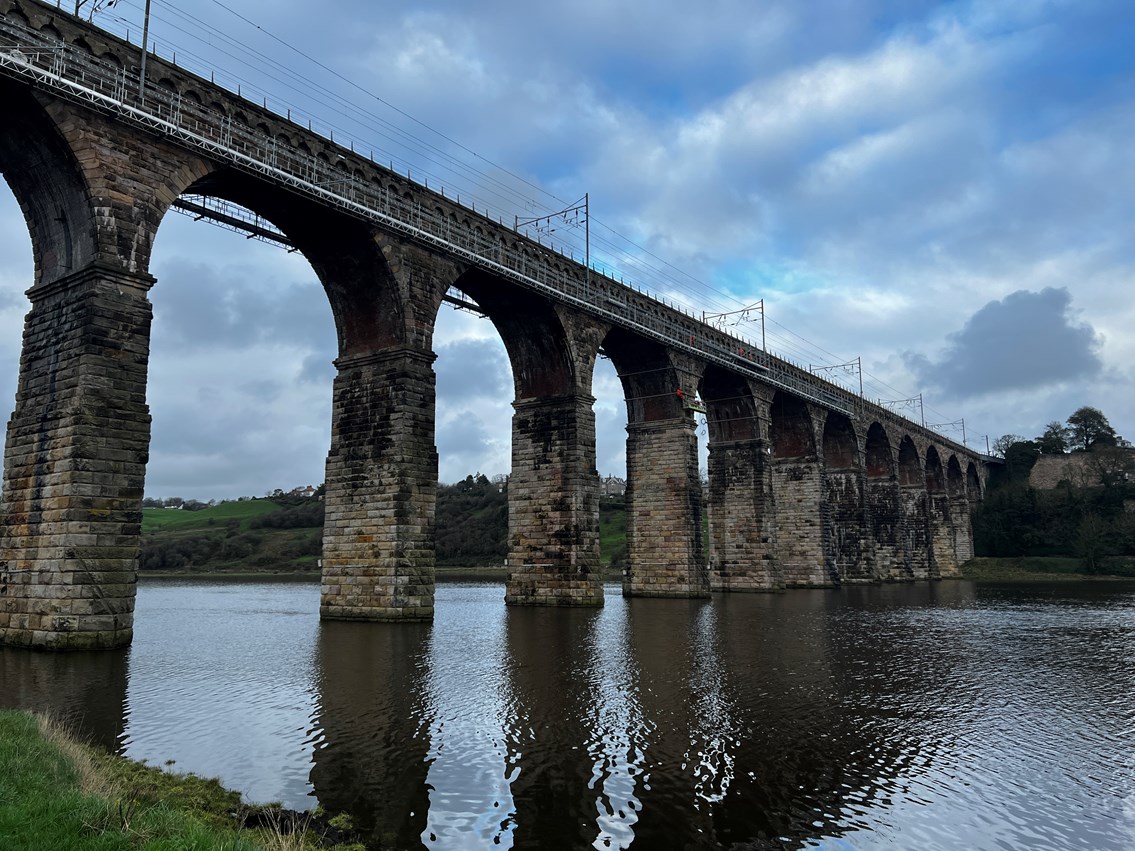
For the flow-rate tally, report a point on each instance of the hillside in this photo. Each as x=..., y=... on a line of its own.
x=284, y=534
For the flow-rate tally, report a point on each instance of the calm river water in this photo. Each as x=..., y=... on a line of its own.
x=927, y=716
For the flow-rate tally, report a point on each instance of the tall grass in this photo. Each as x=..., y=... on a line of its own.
x=57, y=793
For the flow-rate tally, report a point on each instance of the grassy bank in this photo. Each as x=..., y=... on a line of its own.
x=58, y=793
x=1044, y=569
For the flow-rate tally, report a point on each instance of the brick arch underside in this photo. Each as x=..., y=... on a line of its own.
x=539, y=351
x=44, y=176
x=374, y=309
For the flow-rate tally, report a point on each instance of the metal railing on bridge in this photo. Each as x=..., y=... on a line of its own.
x=75, y=74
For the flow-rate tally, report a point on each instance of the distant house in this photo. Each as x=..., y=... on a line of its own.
x=612, y=486
x=308, y=491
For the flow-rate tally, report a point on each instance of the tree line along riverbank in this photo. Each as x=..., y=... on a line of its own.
x=1020, y=533
x=283, y=533
x=58, y=793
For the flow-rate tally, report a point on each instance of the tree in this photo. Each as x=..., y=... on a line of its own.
x=1054, y=441
x=1089, y=428
x=1002, y=444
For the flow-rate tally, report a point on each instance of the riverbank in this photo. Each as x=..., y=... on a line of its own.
x=1046, y=569
x=56, y=792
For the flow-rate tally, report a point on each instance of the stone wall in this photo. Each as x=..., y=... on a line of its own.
x=742, y=514
x=553, y=505
x=378, y=535
x=884, y=508
x=849, y=546
x=664, y=533
x=916, y=532
x=74, y=464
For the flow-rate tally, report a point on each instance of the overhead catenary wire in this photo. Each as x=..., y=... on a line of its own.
x=672, y=284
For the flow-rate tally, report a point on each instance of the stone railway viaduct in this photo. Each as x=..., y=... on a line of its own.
x=810, y=485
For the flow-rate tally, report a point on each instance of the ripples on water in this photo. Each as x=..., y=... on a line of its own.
x=928, y=716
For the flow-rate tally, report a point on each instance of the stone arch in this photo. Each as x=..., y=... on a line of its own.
x=742, y=520
x=553, y=492
x=959, y=511
x=848, y=549
x=731, y=407
x=790, y=427
x=797, y=474
x=49, y=185
x=955, y=483
x=879, y=461
x=935, y=480
x=663, y=497
x=973, y=483
x=15, y=13
x=840, y=449
x=371, y=306
x=943, y=560
x=910, y=468
x=544, y=361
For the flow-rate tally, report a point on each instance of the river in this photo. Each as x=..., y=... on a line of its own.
x=927, y=716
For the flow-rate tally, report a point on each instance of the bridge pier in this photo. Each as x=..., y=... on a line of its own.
x=381, y=488
x=798, y=484
x=849, y=554
x=943, y=559
x=665, y=551
x=742, y=527
x=74, y=464
x=553, y=505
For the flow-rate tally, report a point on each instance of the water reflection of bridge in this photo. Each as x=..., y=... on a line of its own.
x=666, y=724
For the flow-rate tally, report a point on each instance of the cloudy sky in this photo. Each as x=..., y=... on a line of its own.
x=944, y=190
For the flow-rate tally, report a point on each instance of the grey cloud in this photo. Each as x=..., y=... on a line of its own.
x=1026, y=340
x=472, y=368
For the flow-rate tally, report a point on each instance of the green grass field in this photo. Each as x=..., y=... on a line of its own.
x=176, y=519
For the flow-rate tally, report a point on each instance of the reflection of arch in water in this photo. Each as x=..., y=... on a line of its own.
x=370, y=759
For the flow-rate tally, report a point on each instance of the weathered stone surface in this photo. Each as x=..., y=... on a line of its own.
x=381, y=489
x=553, y=505
x=664, y=530
x=742, y=518
x=74, y=459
